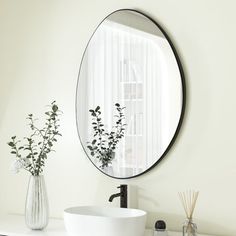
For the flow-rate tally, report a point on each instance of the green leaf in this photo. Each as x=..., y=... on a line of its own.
x=13, y=152
x=55, y=108
x=11, y=144
x=97, y=109
x=94, y=141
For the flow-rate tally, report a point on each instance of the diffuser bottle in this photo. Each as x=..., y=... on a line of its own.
x=188, y=200
x=189, y=228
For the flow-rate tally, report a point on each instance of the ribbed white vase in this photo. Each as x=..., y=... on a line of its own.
x=36, y=206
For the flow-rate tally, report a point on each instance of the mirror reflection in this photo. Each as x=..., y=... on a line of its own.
x=129, y=95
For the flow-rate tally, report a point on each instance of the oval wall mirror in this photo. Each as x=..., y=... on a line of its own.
x=130, y=95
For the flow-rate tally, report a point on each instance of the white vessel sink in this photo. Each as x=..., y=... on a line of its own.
x=104, y=221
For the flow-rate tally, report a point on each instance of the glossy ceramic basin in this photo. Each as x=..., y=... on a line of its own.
x=104, y=221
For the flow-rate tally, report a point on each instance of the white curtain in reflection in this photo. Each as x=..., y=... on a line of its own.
x=126, y=65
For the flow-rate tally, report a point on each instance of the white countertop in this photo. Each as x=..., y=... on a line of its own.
x=14, y=225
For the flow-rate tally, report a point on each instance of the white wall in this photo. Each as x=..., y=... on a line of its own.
x=41, y=45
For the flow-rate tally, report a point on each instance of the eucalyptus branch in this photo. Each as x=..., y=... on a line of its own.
x=104, y=144
x=39, y=143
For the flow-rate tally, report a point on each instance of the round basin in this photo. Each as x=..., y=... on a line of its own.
x=104, y=221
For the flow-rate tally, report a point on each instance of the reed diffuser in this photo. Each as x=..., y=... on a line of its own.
x=188, y=200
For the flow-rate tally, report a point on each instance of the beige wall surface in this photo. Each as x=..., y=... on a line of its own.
x=41, y=45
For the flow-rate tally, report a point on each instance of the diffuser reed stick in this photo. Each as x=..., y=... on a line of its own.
x=188, y=200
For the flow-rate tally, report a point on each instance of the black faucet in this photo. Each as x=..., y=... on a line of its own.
x=122, y=194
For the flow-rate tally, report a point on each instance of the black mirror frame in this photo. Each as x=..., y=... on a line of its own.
x=183, y=95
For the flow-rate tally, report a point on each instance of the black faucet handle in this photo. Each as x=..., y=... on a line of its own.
x=123, y=189
x=122, y=186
